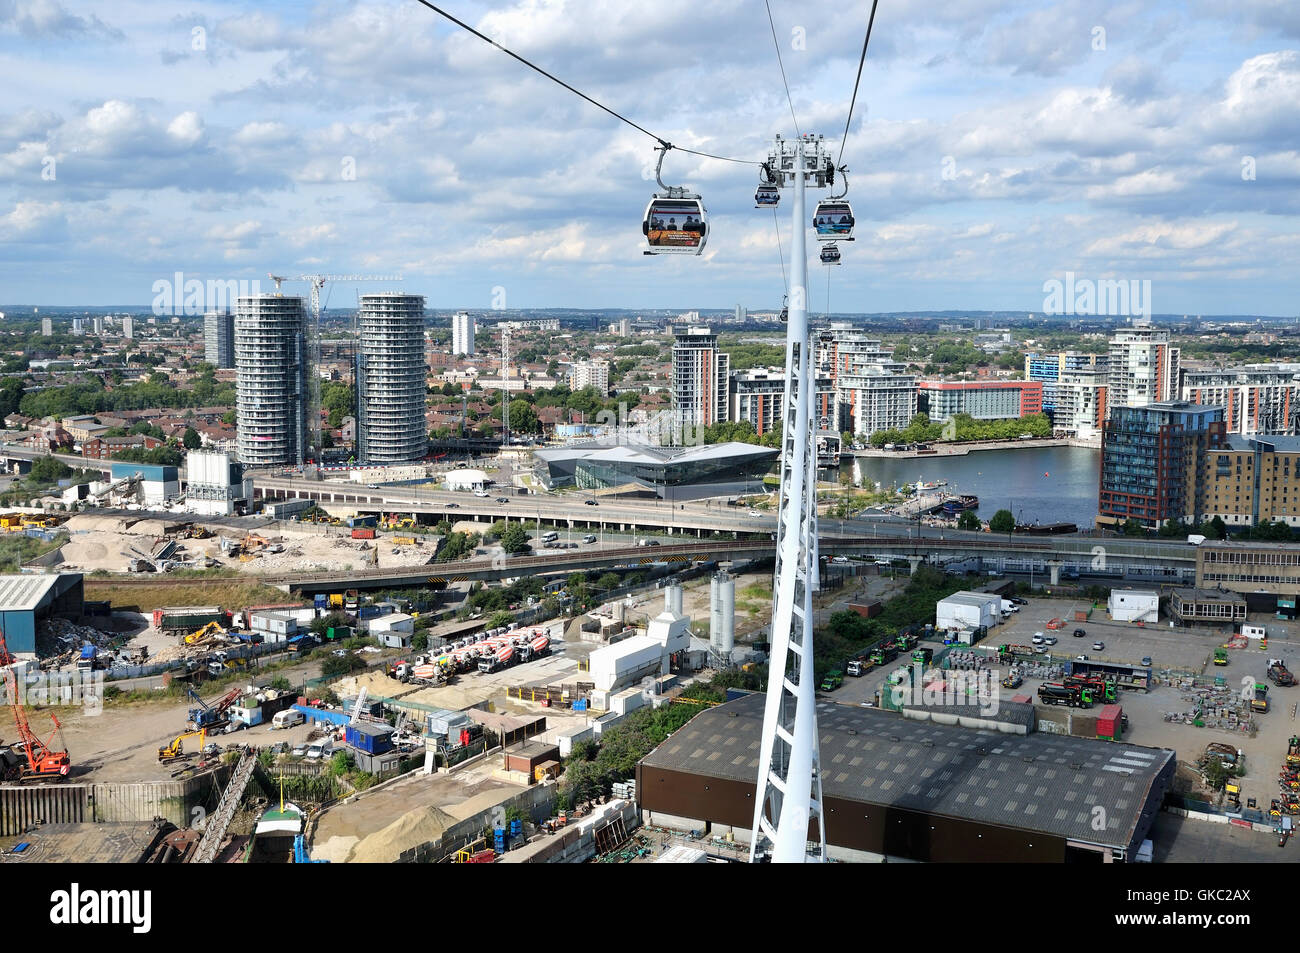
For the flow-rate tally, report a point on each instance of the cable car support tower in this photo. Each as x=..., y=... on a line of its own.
x=789, y=794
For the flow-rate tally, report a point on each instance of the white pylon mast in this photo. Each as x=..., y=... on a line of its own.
x=789, y=796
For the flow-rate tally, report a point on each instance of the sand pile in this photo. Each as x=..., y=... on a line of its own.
x=416, y=827
x=91, y=551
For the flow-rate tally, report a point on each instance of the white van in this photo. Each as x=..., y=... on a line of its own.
x=320, y=750
x=287, y=719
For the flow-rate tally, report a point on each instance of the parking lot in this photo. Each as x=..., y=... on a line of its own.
x=1174, y=653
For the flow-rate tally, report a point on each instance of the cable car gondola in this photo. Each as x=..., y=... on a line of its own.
x=675, y=221
x=767, y=196
x=830, y=254
x=833, y=221
x=785, y=308
x=675, y=225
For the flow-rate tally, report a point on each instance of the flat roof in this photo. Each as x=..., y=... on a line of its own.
x=1041, y=782
x=1210, y=595
x=26, y=591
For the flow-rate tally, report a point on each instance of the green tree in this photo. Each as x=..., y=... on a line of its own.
x=1134, y=527
x=1002, y=522
x=500, y=619
x=968, y=520
x=191, y=439
x=514, y=540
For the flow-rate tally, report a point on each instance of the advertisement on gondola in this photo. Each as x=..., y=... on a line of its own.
x=833, y=219
x=675, y=224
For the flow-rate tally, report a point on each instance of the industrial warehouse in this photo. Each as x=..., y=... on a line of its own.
x=900, y=789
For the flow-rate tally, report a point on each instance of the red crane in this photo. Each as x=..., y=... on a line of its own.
x=43, y=761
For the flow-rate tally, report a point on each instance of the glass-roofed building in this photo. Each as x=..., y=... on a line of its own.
x=671, y=473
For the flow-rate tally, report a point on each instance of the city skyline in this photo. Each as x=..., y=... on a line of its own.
x=986, y=161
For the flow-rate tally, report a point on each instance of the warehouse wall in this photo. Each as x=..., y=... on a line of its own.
x=21, y=807
x=856, y=825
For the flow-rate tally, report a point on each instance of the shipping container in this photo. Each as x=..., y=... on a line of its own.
x=188, y=618
x=1110, y=722
x=372, y=739
x=363, y=534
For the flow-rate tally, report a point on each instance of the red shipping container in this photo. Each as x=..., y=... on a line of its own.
x=1108, y=722
x=363, y=534
x=157, y=618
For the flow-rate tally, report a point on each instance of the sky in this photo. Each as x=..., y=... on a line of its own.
x=996, y=145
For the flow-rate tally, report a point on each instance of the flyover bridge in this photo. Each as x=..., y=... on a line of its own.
x=1171, y=563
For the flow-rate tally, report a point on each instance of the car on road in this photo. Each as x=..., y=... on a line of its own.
x=1098, y=646
x=502, y=499
x=1146, y=660
x=1081, y=658
x=755, y=513
x=372, y=486
x=591, y=502
x=1079, y=633
x=453, y=506
x=589, y=538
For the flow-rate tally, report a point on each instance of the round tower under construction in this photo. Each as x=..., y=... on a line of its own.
x=271, y=369
x=391, y=379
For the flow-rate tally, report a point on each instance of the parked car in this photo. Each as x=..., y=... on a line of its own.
x=1038, y=638
x=299, y=749
x=1098, y=646
x=1050, y=640
x=339, y=653
x=1146, y=660
x=1079, y=633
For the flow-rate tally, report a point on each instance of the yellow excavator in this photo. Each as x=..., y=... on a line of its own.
x=177, y=748
x=200, y=635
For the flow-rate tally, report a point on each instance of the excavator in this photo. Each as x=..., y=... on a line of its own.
x=176, y=749
x=43, y=762
x=205, y=633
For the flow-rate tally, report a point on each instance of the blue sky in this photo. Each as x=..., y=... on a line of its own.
x=996, y=146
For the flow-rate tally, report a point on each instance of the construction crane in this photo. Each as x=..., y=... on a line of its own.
x=44, y=762
x=211, y=716
x=315, y=437
x=176, y=749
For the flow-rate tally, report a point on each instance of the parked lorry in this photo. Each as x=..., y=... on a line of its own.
x=883, y=654
x=858, y=667
x=1260, y=702
x=1011, y=651
x=1220, y=656
x=1054, y=693
x=833, y=680
x=922, y=656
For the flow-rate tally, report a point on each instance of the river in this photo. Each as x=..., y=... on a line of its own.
x=1040, y=484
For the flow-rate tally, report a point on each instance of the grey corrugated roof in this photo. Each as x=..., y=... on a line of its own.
x=1041, y=782
x=25, y=592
